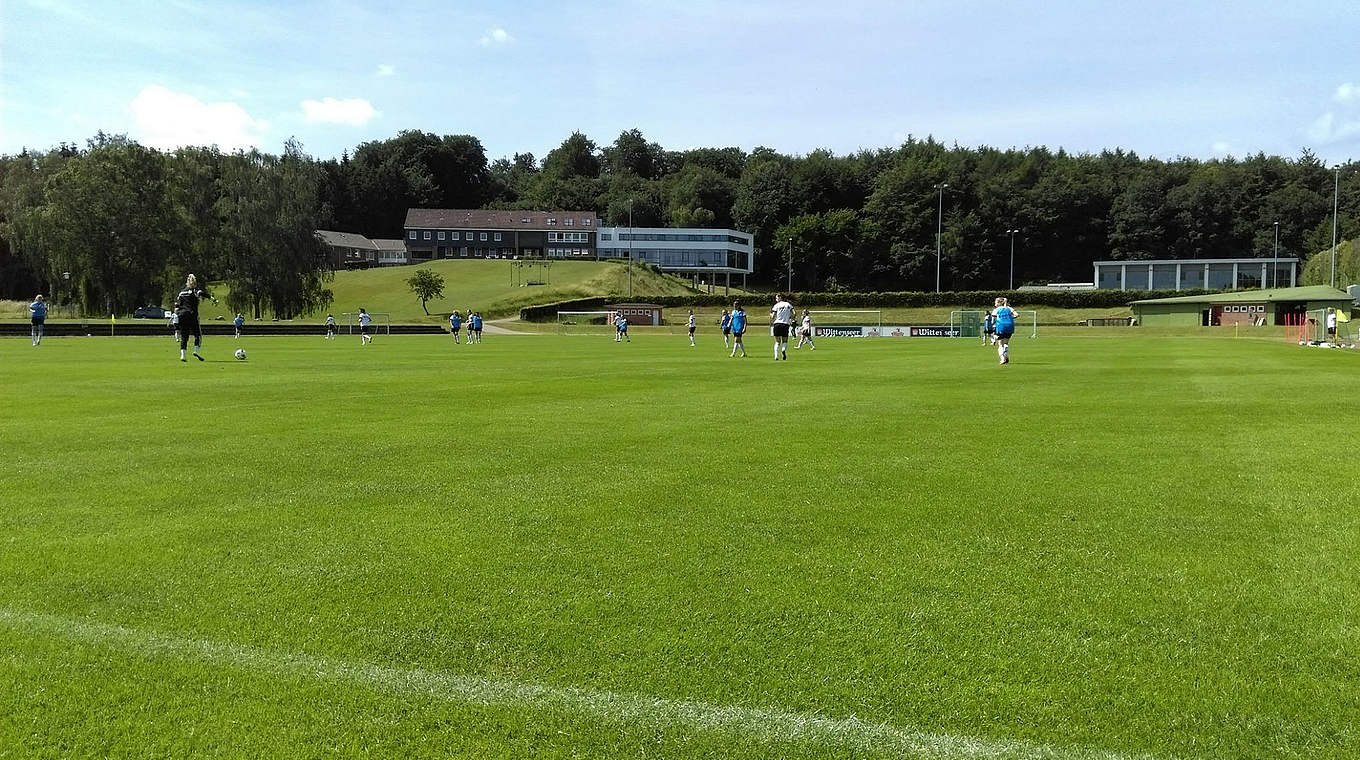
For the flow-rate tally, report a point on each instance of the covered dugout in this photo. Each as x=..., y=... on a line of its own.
x=1275, y=306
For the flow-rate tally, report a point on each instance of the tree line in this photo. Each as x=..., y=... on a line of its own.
x=127, y=221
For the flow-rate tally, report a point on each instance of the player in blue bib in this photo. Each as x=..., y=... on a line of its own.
x=38, y=310
x=738, y=328
x=621, y=329
x=455, y=325
x=1005, y=328
x=475, y=325
x=989, y=328
x=726, y=324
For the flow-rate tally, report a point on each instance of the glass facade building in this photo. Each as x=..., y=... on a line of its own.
x=1197, y=274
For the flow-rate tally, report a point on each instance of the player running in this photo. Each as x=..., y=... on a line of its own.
x=365, y=328
x=693, y=323
x=38, y=312
x=186, y=312
x=330, y=327
x=781, y=317
x=738, y=328
x=621, y=329
x=989, y=328
x=805, y=332
x=725, y=324
x=1005, y=328
x=455, y=325
x=238, y=323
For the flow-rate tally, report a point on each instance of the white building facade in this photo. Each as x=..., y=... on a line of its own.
x=682, y=250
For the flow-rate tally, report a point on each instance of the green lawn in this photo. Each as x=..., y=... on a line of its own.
x=562, y=547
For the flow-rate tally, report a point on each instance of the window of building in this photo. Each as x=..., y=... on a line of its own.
x=468, y=236
x=427, y=235
x=570, y=222
x=411, y=235
x=606, y=236
x=586, y=222
x=498, y=237
x=483, y=237
x=441, y=235
x=552, y=222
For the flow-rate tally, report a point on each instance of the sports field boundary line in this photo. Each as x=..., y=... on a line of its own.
x=762, y=724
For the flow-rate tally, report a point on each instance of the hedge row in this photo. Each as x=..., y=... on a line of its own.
x=1061, y=299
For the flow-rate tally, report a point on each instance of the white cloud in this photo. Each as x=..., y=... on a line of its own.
x=1327, y=129
x=166, y=119
x=355, y=112
x=1347, y=93
x=1221, y=148
x=386, y=70
x=496, y=36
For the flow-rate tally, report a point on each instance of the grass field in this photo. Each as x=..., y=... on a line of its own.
x=563, y=547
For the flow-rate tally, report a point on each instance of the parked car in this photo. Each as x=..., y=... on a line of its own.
x=151, y=312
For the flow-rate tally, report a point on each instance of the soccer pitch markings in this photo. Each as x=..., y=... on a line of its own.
x=760, y=725
x=1068, y=552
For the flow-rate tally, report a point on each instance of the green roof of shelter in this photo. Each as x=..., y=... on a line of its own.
x=1268, y=295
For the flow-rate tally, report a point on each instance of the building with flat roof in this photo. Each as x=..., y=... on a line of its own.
x=682, y=250
x=1271, y=306
x=444, y=233
x=1196, y=274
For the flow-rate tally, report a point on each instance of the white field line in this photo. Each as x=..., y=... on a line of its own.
x=766, y=725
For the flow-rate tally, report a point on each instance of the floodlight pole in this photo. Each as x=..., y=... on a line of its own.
x=939, y=231
x=788, y=261
x=1010, y=284
x=1275, y=265
x=1336, y=192
x=630, y=249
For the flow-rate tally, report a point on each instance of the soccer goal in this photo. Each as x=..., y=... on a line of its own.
x=967, y=323
x=381, y=319
x=840, y=324
x=585, y=322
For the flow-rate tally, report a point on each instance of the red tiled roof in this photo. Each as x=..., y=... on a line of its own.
x=480, y=219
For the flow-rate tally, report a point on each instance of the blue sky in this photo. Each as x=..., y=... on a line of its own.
x=1187, y=78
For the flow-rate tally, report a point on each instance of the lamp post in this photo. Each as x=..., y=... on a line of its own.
x=788, y=263
x=1275, y=265
x=630, y=249
x=939, y=231
x=1336, y=192
x=1010, y=284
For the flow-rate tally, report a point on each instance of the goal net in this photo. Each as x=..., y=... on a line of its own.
x=585, y=322
x=854, y=323
x=382, y=321
x=968, y=322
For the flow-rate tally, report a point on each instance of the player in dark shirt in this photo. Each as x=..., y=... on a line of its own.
x=186, y=308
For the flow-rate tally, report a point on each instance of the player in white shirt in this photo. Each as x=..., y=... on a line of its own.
x=365, y=327
x=805, y=332
x=693, y=323
x=781, y=319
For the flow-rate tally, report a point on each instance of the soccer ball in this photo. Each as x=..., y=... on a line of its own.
x=241, y=354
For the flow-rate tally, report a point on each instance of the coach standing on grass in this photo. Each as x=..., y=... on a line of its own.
x=38, y=310
x=186, y=310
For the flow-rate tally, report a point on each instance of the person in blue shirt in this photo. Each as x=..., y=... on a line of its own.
x=39, y=311
x=989, y=328
x=621, y=326
x=475, y=323
x=726, y=324
x=1005, y=328
x=455, y=325
x=738, y=328
x=239, y=322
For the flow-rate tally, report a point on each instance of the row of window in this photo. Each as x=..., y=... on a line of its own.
x=564, y=252
x=568, y=237
x=567, y=222
x=658, y=236
x=1247, y=309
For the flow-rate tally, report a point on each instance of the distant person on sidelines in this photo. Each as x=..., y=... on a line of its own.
x=330, y=326
x=621, y=329
x=455, y=325
x=38, y=312
x=805, y=332
x=476, y=322
x=1005, y=328
x=781, y=319
x=238, y=323
x=1331, y=325
x=186, y=311
x=989, y=328
x=693, y=323
x=365, y=328
x=173, y=324
x=725, y=324
x=738, y=328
